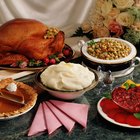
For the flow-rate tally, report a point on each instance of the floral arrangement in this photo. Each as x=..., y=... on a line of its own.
x=114, y=18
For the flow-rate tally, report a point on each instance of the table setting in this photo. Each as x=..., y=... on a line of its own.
x=66, y=90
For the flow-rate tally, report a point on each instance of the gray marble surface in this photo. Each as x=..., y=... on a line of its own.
x=97, y=127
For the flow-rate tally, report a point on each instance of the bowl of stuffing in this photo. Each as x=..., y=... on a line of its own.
x=110, y=53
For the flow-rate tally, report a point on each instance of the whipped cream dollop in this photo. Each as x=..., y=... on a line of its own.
x=12, y=87
x=67, y=76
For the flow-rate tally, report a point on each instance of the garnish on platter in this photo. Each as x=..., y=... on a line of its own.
x=123, y=104
x=66, y=55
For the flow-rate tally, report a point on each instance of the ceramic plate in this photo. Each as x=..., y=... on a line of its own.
x=17, y=115
x=104, y=115
x=117, y=61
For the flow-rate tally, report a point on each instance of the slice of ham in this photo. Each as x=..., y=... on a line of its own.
x=78, y=112
x=51, y=121
x=38, y=125
x=63, y=118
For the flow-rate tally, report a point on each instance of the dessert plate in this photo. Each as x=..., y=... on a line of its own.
x=106, y=117
x=10, y=109
x=16, y=115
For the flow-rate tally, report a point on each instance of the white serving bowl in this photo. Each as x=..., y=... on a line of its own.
x=113, y=65
x=66, y=95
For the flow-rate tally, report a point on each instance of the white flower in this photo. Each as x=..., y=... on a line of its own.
x=86, y=27
x=97, y=18
x=98, y=6
x=137, y=3
x=101, y=31
x=122, y=4
x=125, y=19
x=107, y=21
x=113, y=13
x=106, y=7
x=136, y=26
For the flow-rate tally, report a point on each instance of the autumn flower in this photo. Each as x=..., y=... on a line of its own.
x=115, y=18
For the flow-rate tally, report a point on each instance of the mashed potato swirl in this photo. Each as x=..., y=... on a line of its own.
x=67, y=76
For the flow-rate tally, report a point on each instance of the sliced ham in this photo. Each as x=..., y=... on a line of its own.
x=63, y=118
x=51, y=121
x=38, y=125
x=78, y=112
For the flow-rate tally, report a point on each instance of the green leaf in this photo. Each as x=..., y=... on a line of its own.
x=80, y=32
x=126, y=86
x=52, y=56
x=107, y=95
x=132, y=85
x=92, y=42
x=137, y=115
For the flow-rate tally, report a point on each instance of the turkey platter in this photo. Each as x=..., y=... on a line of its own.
x=22, y=40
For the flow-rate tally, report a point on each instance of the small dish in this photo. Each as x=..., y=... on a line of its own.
x=67, y=95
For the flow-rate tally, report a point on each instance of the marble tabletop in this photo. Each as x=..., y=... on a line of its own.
x=97, y=127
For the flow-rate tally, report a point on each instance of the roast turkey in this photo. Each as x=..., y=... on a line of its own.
x=23, y=39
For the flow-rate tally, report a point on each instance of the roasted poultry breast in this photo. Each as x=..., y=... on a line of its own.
x=23, y=39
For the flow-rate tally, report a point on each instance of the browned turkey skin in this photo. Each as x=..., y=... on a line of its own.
x=23, y=39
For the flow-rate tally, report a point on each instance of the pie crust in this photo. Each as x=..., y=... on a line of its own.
x=10, y=108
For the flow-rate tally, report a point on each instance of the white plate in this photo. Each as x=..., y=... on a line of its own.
x=104, y=115
x=117, y=61
x=16, y=115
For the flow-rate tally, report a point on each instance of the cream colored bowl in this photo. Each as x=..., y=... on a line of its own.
x=67, y=95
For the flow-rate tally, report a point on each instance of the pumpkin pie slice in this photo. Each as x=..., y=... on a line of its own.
x=12, y=96
x=24, y=94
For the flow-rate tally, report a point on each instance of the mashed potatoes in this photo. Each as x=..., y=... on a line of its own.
x=67, y=76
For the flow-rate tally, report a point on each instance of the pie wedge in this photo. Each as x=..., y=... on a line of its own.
x=24, y=94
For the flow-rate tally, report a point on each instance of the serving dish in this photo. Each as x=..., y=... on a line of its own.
x=67, y=95
x=113, y=65
x=106, y=117
x=35, y=68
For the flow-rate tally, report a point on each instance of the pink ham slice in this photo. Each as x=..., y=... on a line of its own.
x=51, y=121
x=63, y=118
x=78, y=112
x=38, y=125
